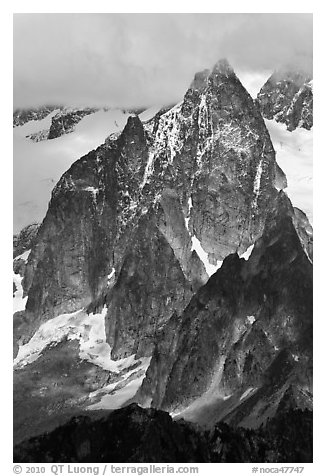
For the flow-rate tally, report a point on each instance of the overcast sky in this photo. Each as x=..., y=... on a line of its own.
x=142, y=59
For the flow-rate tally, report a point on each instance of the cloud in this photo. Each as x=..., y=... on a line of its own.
x=139, y=59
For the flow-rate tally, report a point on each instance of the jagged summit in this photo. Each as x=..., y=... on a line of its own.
x=299, y=73
x=222, y=67
x=200, y=80
x=287, y=97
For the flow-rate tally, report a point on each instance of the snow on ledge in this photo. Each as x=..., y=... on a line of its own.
x=110, y=276
x=187, y=219
x=148, y=114
x=196, y=246
x=94, y=191
x=247, y=253
x=203, y=256
x=251, y=319
x=248, y=392
x=24, y=256
x=121, y=391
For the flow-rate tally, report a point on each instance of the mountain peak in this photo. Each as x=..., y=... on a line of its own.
x=296, y=75
x=200, y=80
x=287, y=97
x=222, y=67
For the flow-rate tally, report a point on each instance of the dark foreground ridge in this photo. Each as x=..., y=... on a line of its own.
x=136, y=435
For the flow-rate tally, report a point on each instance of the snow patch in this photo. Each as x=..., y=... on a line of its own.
x=24, y=256
x=247, y=253
x=187, y=219
x=110, y=276
x=227, y=397
x=251, y=319
x=148, y=169
x=148, y=114
x=118, y=393
x=257, y=181
x=19, y=303
x=94, y=191
x=196, y=246
x=248, y=392
x=203, y=255
x=88, y=329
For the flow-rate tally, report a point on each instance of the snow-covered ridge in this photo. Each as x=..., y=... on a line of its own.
x=39, y=165
x=33, y=126
x=149, y=113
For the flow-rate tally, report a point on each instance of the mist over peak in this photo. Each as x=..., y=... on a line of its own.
x=132, y=60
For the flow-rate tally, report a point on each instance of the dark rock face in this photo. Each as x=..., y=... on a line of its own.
x=25, y=239
x=21, y=116
x=215, y=145
x=203, y=170
x=74, y=240
x=66, y=120
x=136, y=435
x=248, y=329
x=304, y=230
x=150, y=286
x=287, y=97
